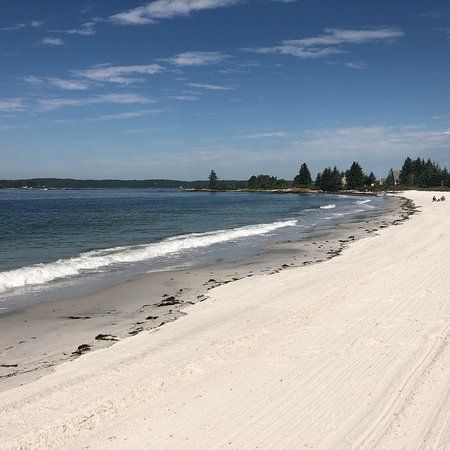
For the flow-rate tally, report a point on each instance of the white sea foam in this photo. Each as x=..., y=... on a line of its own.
x=101, y=259
x=328, y=207
x=362, y=202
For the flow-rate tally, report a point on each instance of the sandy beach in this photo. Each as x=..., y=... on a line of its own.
x=34, y=339
x=348, y=353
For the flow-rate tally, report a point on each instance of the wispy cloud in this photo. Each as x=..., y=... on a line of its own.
x=196, y=58
x=50, y=104
x=71, y=85
x=36, y=23
x=434, y=14
x=267, y=134
x=299, y=52
x=211, y=87
x=52, y=41
x=166, y=9
x=373, y=142
x=11, y=105
x=125, y=115
x=336, y=36
x=185, y=97
x=356, y=65
x=22, y=26
x=86, y=29
x=117, y=74
x=330, y=42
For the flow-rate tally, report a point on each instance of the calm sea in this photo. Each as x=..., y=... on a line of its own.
x=65, y=237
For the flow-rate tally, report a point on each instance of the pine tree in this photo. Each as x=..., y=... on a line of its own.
x=331, y=179
x=407, y=174
x=371, y=179
x=213, y=181
x=390, y=180
x=318, y=181
x=304, y=176
x=355, y=176
x=336, y=179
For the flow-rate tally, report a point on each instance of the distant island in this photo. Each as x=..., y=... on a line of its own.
x=70, y=183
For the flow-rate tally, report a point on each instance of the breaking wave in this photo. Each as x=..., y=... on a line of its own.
x=328, y=207
x=101, y=259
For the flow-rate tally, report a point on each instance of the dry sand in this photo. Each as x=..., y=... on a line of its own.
x=349, y=353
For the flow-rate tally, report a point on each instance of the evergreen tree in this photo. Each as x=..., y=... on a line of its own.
x=264, y=182
x=331, y=179
x=252, y=182
x=213, y=181
x=390, y=180
x=318, y=181
x=355, y=176
x=371, y=179
x=407, y=173
x=282, y=184
x=336, y=177
x=304, y=176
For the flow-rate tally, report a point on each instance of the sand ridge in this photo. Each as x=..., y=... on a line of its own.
x=349, y=353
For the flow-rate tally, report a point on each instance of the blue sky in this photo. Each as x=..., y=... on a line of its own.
x=173, y=88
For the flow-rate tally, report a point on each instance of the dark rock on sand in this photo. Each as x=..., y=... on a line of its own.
x=83, y=348
x=105, y=337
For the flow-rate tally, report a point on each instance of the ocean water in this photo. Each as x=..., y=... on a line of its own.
x=59, y=238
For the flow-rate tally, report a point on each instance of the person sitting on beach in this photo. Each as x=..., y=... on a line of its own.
x=442, y=199
x=434, y=198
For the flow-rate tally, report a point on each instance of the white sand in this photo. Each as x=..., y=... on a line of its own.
x=350, y=353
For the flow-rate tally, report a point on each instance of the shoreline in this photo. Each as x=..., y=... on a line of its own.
x=37, y=338
x=349, y=353
x=292, y=190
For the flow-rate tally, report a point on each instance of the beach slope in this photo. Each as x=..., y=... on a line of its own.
x=349, y=353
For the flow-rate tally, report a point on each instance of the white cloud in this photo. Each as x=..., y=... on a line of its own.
x=117, y=74
x=71, y=85
x=55, y=103
x=166, y=9
x=52, y=41
x=211, y=87
x=373, y=143
x=22, y=26
x=11, y=105
x=31, y=79
x=14, y=27
x=299, y=52
x=267, y=134
x=356, y=65
x=125, y=115
x=185, y=97
x=86, y=29
x=196, y=58
x=330, y=42
x=337, y=36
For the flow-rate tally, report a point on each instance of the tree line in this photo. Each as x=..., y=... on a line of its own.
x=330, y=180
x=414, y=173
x=421, y=173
